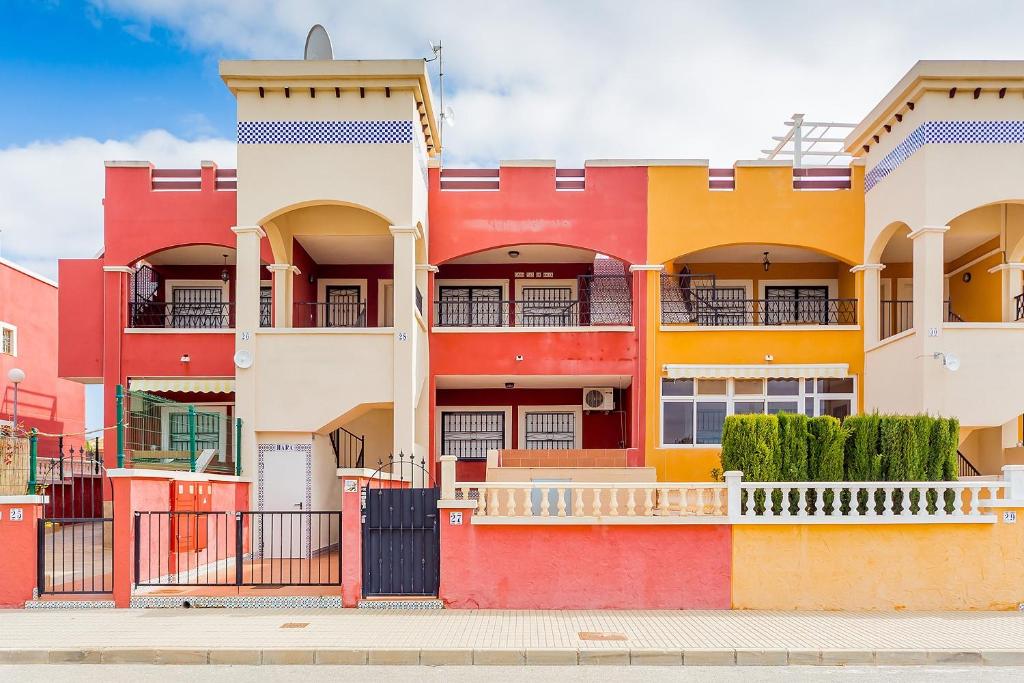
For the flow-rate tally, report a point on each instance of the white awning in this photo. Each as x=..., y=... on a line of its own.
x=755, y=371
x=198, y=385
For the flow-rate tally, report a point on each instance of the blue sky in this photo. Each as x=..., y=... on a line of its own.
x=82, y=72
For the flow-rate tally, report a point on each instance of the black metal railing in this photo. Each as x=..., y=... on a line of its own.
x=162, y=314
x=965, y=468
x=1019, y=306
x=895, y=316
x=349, y=449
x=331, y=314
x=292, y=548
x=597, y=300
x=419, y=300
x=761, y=312
x=266, y=317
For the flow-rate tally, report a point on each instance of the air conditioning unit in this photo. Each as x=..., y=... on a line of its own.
x=598, y=398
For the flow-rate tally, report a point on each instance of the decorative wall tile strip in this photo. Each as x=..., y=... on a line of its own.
x=401, y=604
x=945, y=132
x=69, y=604
x=324, y=132
x=238, y=601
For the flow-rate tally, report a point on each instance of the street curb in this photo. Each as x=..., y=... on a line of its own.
x=512, y=656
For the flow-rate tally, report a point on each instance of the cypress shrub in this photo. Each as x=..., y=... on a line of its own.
x=861, y=459
x=750, y=443
x=826, y=439
x=898, y=448
x=793, y=444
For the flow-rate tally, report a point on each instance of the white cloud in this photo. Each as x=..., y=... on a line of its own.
x=575, y=80
x=51, y=193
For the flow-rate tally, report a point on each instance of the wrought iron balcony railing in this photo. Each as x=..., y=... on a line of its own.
x=897, y=316
x=188, y=316
x=765, y=312
x=494, y=313
x=329, y=314
x=1019, y=302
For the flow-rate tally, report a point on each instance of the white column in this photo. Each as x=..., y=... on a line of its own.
x=734, y=495
x=282, y=292
x=247, y=321
x=929, y=313
x=1013, y=475
x=1010, y=273
x=870, y=301
x=404, y=291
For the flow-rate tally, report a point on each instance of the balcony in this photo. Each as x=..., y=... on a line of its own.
x=588, y=301
x=896, y=316
x=700, y=300
x=329, y=314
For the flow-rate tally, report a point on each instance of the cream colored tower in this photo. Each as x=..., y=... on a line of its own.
x=333, y=153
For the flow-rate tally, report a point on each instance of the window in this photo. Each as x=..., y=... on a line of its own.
x=693, y=411
x=548, y=307
x=266, y=304
x=792, y=305
x=468, y=435
x=550, y=430
x=198, y=307
x=470, y=307
x=211, y=424
x=8, y=339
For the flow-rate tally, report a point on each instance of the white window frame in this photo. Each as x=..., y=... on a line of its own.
x=731, y=398
x=439, y=410
x=385, y=302
x=578, y=421
x=165, y=424
x=13, y=329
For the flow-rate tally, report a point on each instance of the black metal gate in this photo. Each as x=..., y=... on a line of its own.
x=401, y=549
x=75, y=536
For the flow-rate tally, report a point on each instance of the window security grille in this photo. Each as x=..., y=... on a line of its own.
x=470, y=307
x=469, y=435
x=198, y=307
x=550, y=430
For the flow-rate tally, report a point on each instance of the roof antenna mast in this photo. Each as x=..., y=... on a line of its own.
x=437, y=50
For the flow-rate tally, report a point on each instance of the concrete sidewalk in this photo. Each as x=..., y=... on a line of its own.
x=222, y=636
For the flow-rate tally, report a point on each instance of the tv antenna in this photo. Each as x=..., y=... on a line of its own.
x=447, y=113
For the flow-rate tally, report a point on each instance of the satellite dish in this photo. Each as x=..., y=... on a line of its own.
x=318, y=44
x=449, y=116
x=434, y=48
x=243, y=359
x=951, y=362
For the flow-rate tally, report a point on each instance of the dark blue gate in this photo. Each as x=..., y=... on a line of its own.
x=401, y=549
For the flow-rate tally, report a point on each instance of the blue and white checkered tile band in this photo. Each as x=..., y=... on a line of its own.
x=945, y=132
x=324, y=132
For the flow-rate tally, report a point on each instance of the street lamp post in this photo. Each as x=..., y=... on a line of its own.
x=17, y=376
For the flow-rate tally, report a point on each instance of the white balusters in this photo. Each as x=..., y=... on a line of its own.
x=888, y=502
x=648, y=502
x=511, y=502
x=596, y=503
x=527, y=502
x=577, y=503
x=545, y=502
x=481, y=502
x=561, y=502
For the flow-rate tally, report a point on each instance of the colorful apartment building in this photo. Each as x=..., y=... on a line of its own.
x=46, y=402
x=342, y=296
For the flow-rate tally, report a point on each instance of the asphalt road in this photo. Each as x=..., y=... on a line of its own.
x=497, y=674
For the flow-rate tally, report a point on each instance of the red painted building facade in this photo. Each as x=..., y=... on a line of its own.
x=28, y=322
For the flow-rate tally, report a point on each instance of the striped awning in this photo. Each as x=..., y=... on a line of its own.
x=756, y=371
x=198, y=385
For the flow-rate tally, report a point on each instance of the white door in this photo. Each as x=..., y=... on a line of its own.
x=386, y=304
x=284, y=489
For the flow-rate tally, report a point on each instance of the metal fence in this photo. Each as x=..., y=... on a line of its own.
x=246, y=548
x=330, y=314
x=163, y=434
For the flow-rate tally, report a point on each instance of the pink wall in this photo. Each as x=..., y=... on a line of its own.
x=18, y=558
x=585, y=567
x=45, y=402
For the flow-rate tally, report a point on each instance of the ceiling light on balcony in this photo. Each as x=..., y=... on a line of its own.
x=513, y=253
x=766, y=262
x=224, y=274
x=510, y=385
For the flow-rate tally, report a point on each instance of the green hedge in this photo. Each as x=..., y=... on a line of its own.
x=870, y=447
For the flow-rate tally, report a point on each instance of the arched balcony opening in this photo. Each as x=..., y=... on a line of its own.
x=982, y=251
x=336, y=265
x=895, y=252
x=189, y=288
x=533, y=286
x=757, y=285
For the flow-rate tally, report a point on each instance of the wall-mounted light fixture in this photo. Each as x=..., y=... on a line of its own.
x=766, y=262
x=510, y=385
x=513, y=253
x=224, y=274
x=966, y=277
x=185, y=358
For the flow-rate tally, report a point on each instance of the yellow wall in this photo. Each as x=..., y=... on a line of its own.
x=878, y=567
x=685, y=217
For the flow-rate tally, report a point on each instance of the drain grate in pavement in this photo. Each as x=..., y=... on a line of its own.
x=295, y=624
x=599, y=635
